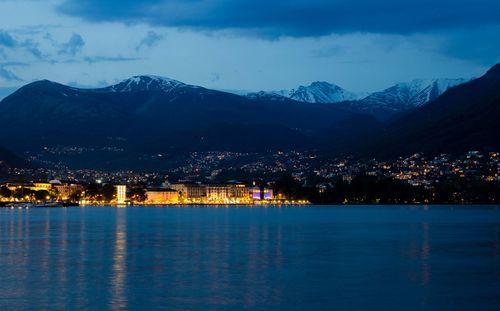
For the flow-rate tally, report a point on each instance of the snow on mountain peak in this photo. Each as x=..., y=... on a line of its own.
x=322, y=92
x=147, y=83
x=316, y=92
x=408, y=95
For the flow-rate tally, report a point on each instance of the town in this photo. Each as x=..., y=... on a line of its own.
x=274, y=178
x=168, y=193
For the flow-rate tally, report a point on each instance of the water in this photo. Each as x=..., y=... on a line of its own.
x=296, y=258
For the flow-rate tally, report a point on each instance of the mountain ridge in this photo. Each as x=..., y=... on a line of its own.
x=463, y=118
x=316, y=92
x=153, y=115
x=383, y=104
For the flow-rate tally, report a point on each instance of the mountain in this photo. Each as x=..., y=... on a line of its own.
x=316, y=92
x=150, y=115
x=464, y=117
x=9, y=159
x=383, y=105
x=404, y=96
x=148, y=83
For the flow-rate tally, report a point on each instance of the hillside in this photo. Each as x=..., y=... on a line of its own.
x=464, y=118
x=148, y=115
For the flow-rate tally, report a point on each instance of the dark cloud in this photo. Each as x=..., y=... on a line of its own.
x=294, y=17
x=73, y=46
x=151, y=39
x=482, y=45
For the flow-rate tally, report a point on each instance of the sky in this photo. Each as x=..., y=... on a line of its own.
x=247, y=45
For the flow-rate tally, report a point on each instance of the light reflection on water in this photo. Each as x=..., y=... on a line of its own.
x=119, y=299
x=350, y=258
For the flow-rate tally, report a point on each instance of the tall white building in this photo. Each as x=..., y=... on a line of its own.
x=121, y=194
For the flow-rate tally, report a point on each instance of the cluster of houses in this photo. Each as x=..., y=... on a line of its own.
x=55, y=189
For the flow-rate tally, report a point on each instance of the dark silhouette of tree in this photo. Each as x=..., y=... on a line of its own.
x=137, y=194
x=41, y=195
x=5, y=192
x=289, y=187
x=108, y=192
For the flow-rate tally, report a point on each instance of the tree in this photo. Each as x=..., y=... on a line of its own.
x=75, y=196
x=93, y=192
x=22, y=193
x=41, y=195
x=108, y=192
x=5, y=192
x=289, y=187
x=137, y=194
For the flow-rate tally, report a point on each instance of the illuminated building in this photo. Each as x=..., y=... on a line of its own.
x=239, y=191
x=65, y=190
x=218, y=192
x=190, y=191
x=261, y=194
x=37, y=186
x=228, y=193
x=161, y=196
x=121, y=194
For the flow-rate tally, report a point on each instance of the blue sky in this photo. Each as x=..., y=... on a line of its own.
x=360, y=45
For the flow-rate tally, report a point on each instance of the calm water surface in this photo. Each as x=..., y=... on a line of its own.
x=295, y=258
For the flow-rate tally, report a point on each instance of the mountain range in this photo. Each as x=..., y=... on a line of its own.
x=123, y=125
x=150, y=115
x=397, y=98
x=316, y=92
x=463, y=118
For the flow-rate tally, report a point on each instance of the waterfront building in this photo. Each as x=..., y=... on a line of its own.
x=38, y=186
x=190, y=190
x=65, y=190
x=218, y=192
x=239, y=191
x=261, y=194
x=161, y=196
x=232, y=193
x=121, y=194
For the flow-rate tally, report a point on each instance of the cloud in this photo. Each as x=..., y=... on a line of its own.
x=73, y=46
x=8, y=75
x=98, y=59
x=32, y=47
x=13, y=64
x=151, y=39
x=7, y=40
x=296, y=18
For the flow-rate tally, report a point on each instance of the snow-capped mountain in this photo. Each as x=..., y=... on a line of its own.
x=147, y=83
x=403, y=96
x=322, y=92
x=316, y=92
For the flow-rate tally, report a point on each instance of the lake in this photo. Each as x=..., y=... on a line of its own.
x=251, y=258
